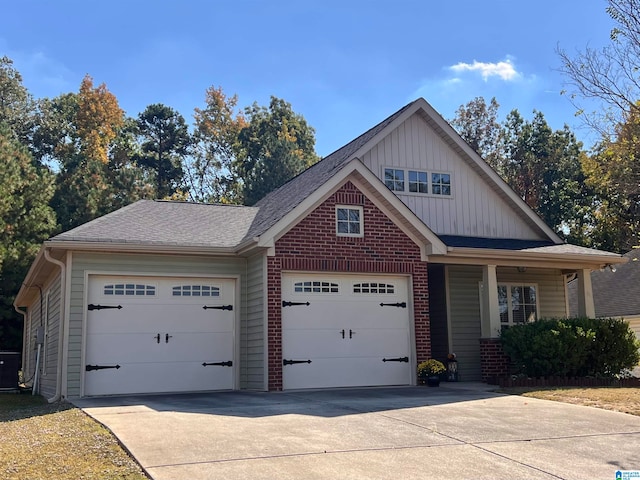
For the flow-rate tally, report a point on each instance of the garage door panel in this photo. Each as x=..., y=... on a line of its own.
x=164, y=309
x=157, y=378
x=341, y=372
x=372, y=332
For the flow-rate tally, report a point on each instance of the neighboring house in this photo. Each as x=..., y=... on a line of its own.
x=616, y=292
x=402, y=245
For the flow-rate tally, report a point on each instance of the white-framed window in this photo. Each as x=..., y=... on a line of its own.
x=420, y=182
x=394, y=179
x=195, y=291
x=518, y=303
x=129, y=290
x=349, y=221
x=441, y=184
x=315, y=286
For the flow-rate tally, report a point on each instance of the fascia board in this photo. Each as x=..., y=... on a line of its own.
x=470, y=256
x=137, y=248
x=35, y=267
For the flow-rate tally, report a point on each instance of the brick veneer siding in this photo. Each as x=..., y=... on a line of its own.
x=494, y=363
x=313, y=246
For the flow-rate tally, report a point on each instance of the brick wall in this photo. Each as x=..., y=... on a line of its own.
x=312, y=245
x=493, y=361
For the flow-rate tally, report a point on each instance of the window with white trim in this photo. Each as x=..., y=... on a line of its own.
x=130, y=290
x=418, y=181
x=195, y=291
x=349, y=221
x=394, y=179
x=441, y=184
x=373, y=287
x=517, y=304
x=315, y=286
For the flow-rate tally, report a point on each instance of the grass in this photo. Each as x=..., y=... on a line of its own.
x=625, y=400
x=46, y=441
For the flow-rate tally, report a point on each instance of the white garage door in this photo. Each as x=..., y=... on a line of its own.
x=345, y=330
x=154, y=334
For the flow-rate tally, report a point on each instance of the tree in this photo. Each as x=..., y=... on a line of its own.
x=25, y=221
x=17, y=107
x=608, y=75
x=276, y=145
x=544, y=168
x=613, y=170
x=478, y=125
x=209, y=171
x=98, y=120
x=165, y=143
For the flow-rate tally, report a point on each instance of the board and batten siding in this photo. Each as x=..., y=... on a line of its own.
x=253, y=352
x=464, y=307
x=473, y=209
x=139, y=264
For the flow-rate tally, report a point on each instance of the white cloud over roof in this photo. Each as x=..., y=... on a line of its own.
x=505, y=69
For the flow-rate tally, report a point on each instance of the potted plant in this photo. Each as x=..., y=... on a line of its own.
x=429, y=372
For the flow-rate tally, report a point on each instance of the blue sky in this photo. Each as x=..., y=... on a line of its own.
x=343, y=65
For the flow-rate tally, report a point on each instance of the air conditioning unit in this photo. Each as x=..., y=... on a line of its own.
x=9, y=366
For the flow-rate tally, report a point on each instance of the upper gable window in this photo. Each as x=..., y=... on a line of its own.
x=394, y=179
x=349, y=221
x=418, y=182
x=441, y=184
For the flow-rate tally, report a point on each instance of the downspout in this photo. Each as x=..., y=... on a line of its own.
x=24, y=339
x=61, y=332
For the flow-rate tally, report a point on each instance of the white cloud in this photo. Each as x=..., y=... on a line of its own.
x=505, y=69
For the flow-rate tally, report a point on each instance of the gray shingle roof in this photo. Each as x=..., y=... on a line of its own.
x=615, y=294
x=154, y=222
x=281, y=201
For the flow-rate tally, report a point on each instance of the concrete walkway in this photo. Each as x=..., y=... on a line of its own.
x=456, y=431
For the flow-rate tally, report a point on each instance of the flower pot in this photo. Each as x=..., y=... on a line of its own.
x=433, y=381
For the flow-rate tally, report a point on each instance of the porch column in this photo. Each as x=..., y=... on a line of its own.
x=586, y=307
x=490, y=313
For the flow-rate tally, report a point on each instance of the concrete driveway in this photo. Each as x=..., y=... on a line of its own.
x=456, y=431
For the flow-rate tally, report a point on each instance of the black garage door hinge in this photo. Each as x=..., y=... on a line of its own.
x=399, y=359
x=293, y=362
x=399, y=304
x=218, y=307
x=293, y=304
x=89, y=368
x=91, y=306
x=219, y=364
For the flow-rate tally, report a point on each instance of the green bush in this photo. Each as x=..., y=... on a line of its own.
x=573, y=347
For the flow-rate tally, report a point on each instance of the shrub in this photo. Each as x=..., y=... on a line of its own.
x=430, y=367
x=573, y=347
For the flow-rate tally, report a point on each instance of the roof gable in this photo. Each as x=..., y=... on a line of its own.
x=280, y=202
